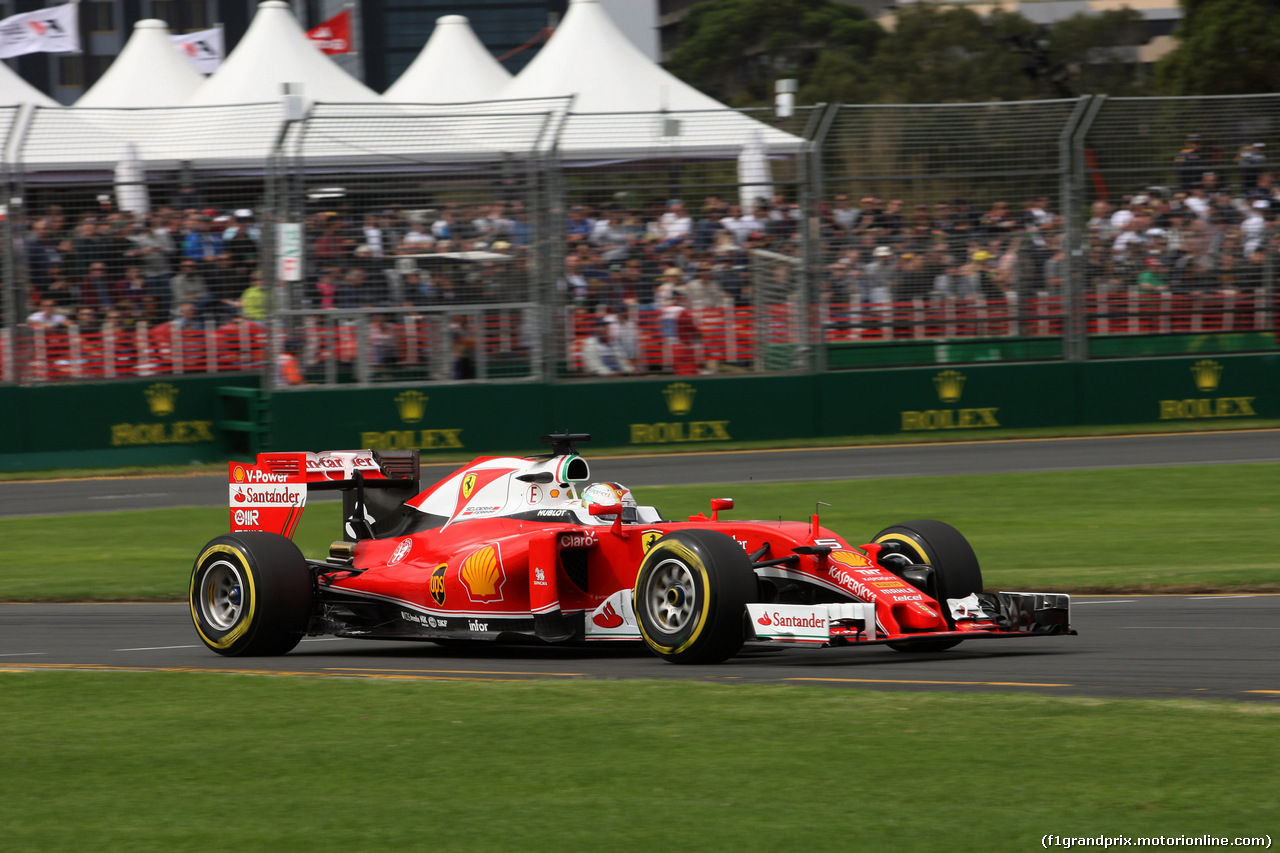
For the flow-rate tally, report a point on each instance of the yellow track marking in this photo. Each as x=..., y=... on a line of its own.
x=454, y=671
x=947, y=683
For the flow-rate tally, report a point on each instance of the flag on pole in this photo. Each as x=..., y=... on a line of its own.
x=205, y=49
x=52, y=30
x=334, y=35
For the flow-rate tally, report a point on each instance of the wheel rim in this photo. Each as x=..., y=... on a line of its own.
x=671, y=597
x=222, y=595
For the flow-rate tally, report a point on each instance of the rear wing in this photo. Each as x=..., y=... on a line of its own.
x=271, y=493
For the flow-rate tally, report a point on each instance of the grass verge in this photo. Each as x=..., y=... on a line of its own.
x=1175, y=529
x=179, y=761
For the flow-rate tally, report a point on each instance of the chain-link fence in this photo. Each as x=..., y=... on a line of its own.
x=1180, y=242
x=666, y=220
x=507, y=241
x=1079, y=228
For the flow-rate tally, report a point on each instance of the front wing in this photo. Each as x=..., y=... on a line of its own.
x=982, y=616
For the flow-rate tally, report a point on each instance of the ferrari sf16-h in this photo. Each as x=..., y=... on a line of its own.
x=529, y=550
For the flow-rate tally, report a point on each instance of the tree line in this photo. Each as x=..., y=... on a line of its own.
x=734, y=50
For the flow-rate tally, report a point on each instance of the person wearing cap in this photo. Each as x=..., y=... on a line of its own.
x=669, y=283
x=1154, y=277
x=880, y=280
x=1254, y=227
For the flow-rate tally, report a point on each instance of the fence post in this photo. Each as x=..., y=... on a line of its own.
x=810, y=179
x=1075, y=331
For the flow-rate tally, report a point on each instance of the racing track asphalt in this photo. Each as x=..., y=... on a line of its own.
x=1185, y=647
x=1225, y=647
x=54, y=497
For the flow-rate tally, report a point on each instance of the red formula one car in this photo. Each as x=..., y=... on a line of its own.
x=521, y=549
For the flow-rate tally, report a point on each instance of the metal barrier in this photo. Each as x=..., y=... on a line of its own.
x=413, y=244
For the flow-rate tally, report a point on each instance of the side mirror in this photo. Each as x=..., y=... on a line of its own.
x=609, y=509
x=718, y=504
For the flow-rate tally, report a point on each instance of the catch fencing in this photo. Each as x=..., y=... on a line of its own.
x=367, y=245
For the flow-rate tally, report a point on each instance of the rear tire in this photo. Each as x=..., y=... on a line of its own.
x=691, y=593
x=955, y=574
x=250, y=594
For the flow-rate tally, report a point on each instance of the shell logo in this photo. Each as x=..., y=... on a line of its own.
x=849, y=558
x=482, y=575
x=238, y=474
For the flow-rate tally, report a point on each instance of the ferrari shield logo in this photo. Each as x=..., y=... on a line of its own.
x=648, y=538
x=468, y=485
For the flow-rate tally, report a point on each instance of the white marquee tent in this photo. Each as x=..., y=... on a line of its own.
x=14, y=90
x=232, y=120
x=651, y=112
x=275, y=50
x=589, y=93
x=453, y=68
x=149, y=72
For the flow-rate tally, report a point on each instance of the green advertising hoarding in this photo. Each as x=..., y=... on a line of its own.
x=693, y=411
x=480, y=418
x=706, y=412
x=142, y=422
x=490, y=418
x=176, y=421
x=941, y=400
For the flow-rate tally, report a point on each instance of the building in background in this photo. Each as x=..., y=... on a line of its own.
x=386, y=34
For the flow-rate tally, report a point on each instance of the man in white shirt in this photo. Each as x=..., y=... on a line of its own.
x=676, y=224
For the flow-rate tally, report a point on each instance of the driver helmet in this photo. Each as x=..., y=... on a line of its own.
x=607, y=494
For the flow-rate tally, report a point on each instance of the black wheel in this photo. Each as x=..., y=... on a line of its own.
x=955, y=571
x=250, y=594
x=691, y=593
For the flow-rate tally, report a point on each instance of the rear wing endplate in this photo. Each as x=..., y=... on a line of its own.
x=271, y=493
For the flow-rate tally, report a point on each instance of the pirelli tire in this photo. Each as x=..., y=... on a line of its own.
x=251, y=594
x=691, y=595
x=955, y=574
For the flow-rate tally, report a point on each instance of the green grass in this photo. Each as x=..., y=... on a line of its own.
x=180, y=761
x=1185, y=529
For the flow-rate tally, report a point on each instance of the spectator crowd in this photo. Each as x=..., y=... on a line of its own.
x=644, y=284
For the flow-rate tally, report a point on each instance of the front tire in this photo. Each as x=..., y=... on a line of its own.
x=955, y=573
x=250, y=594
x=691, y=593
